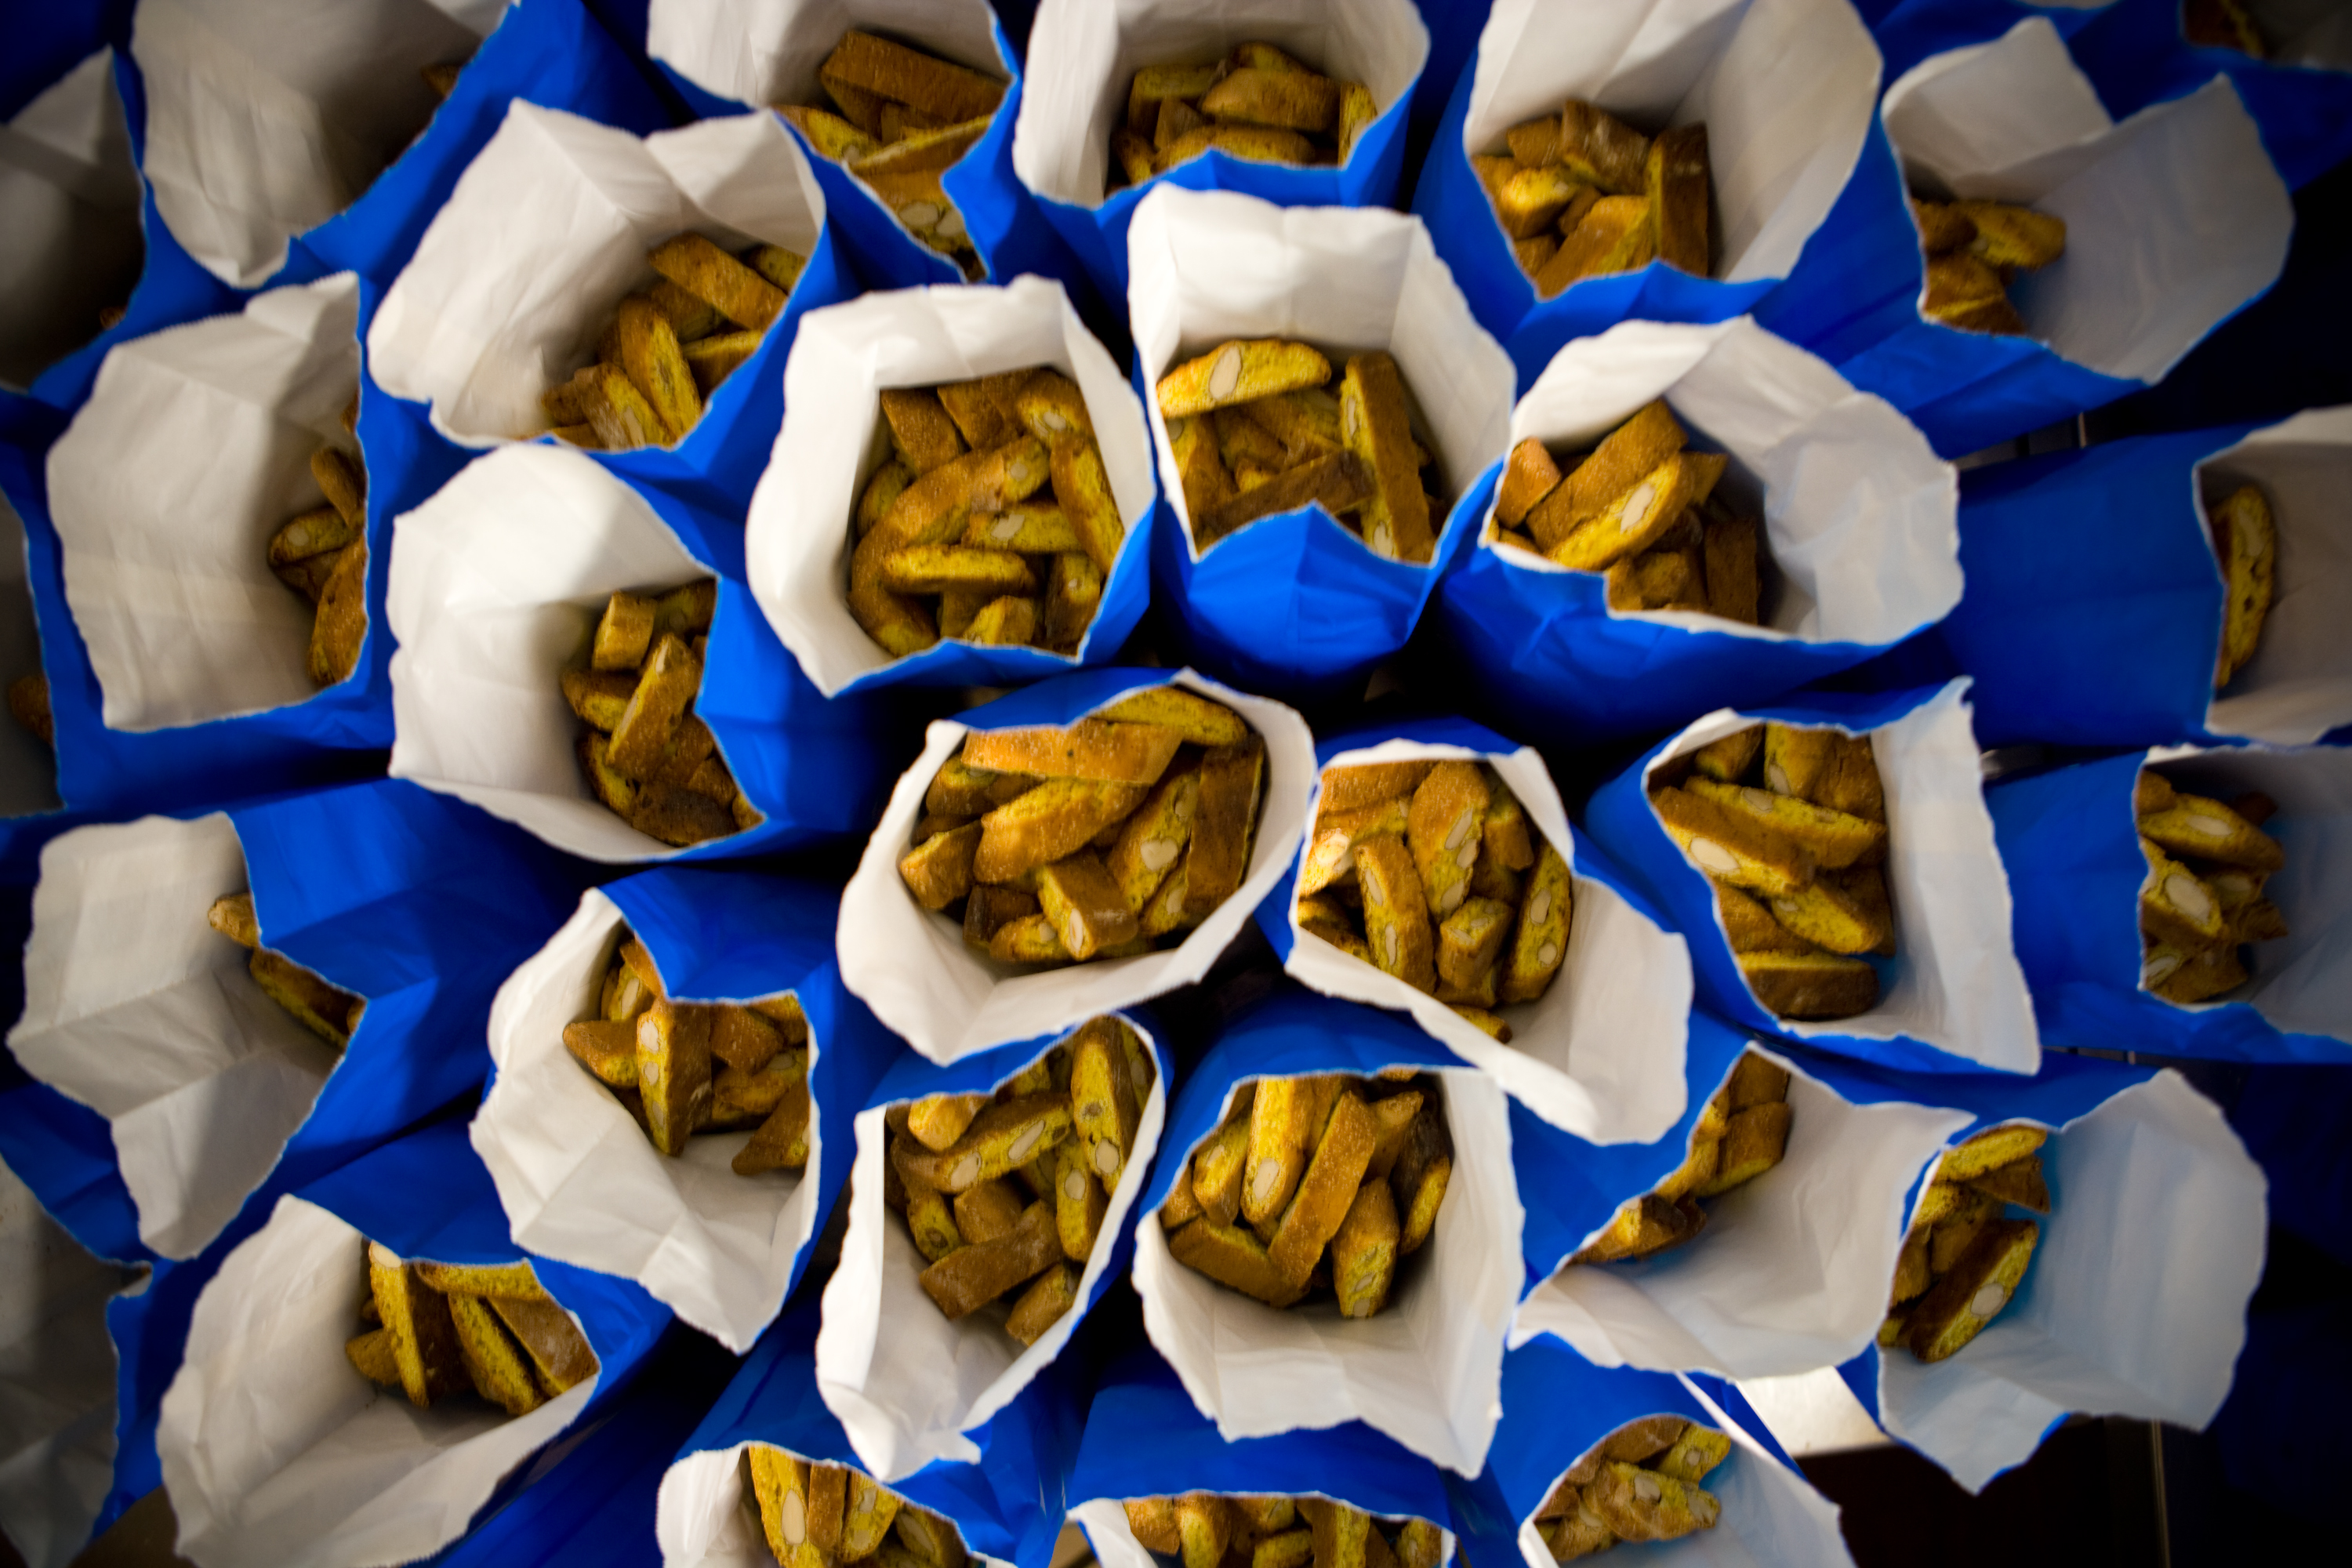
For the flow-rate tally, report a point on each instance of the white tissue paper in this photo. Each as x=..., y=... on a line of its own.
x=1861, y=517
x=265, y=118
x=1084, y=53
x=276, y=1451
x=929, y=986
x=798, y=533
x=1772, y=1517
x=2136, y=1301
x=2298, y=685
x=2302, y=983
x=72, y=246
x=1790, y=1274
x=706, y=1517
x=1600, y=1053
x=496, y=583
x=1955, y=982
x=546, y=232
x=1785, y=88
x=767, y=51
x=2174, y=217
x=1426, y=1370
x=28, y=769
x=193, y=448
x=137, y=1008
x=906, y=1384
x=56, y=1380
x=580, y=1184
x=1207, y=266
x=1104, y=1519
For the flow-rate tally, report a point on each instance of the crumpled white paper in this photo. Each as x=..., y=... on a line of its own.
x=1861, y=517
x=1426, y=1370
x=1785, y=88
x=267, y=117
x=580, y=1182
x=767, y=51
x=1772, y=1517
x=1104, y=1519
x=2302, y=983
x=28, y=769
x=927, y=985
x=496, y=583
x=193, y=448
x=1790, y=1274
x=906, y=1384
x=2298, y=685
x=546, y=232
x=56, y=1380
x=797, y=535
x=2174, y=217
x=2134, y=1304
x=137, y=1008
x=1212, y=264
x=1084, y=53
x=71, y=246
x=706, y=1517
x=1601, y=1054
x=1955, y=982
x=275, y=1450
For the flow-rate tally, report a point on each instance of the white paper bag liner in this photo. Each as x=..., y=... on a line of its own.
x=2314, y=33
x=545, y=233
x=706, y=1517
x=1600, y=1053
x=1771, y=1518
x=1084, y=54
x=56, y=1380
x=2302, y=983
x=72, y=242
x=1208, y=266
x=2298, y=685
x=1785, y=88
x=763, y=52
x=137, y=1008
x=1790, y=1273
x=28, y=769
x=582, y=1185
x=2174, y=217
x=275, y=1450
x=905, y=1384
x=193, y=448
x=1861, y=518
x=1955, y=982
x=913, y=967
x=798, y=533
x=1426, y=1370
x=267, y=117
x=497, y=584
x=2136, y=1301
x=1104, y=1519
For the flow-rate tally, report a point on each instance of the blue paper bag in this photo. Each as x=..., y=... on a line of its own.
x=1006, y=1504
x=2072, y=845
x=1144, y=1439
x=910, y=1386
x=2176, y=218
x=537, y=539
x=2135, y=1302
x=800, y=536
x=542, y=236
x=947, y=1000
x=272, y=1442
x=1295, y=603
x=1600, y=1053
x=1857, y=520
x=415, y=904
x=1909, y=31
x=1954, y=997
x=1084, y=56
x=1258, y=1371
x=580, y=1184
x=1784, y=149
